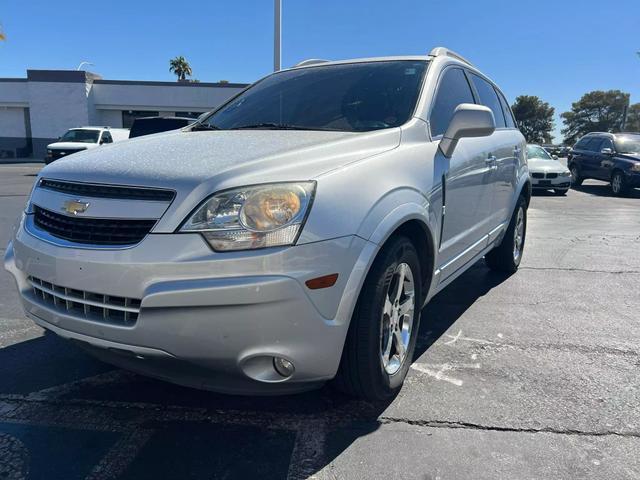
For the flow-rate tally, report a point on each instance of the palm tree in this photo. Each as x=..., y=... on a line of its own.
x=180, y=67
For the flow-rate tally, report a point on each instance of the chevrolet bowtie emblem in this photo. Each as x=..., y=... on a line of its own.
x=75, y=207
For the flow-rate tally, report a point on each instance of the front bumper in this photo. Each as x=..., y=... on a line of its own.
x=551, y=183
x=632, y=179
x=206, y=319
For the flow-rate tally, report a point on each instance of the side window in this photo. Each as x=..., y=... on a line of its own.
x=106, y=137
x=453, y=90
x=489, y=98
x=594, y=144
x=508, y=114
x=582, y=144
x=606, y=143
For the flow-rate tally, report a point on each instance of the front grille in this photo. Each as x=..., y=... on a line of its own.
x=95, y=231
x=107, y=191
x=88, y=305
x=56, y=154
x=537, y=175
x=552, y=175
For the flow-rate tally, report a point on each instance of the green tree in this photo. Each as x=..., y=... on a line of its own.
x=633, y=118
x=534, y=118
x=596, y=111
x=180, y=67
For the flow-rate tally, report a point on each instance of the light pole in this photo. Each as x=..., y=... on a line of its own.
x=83, y=63
x=277, y=34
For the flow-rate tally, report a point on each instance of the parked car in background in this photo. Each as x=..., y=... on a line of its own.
x=612, y=157
x=547, y=173
x=148, y=125
x=290, y=237
x=83, y=138
x=563, y=152
x=551, y=149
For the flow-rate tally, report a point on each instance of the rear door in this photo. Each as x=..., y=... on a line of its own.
x=467, y=181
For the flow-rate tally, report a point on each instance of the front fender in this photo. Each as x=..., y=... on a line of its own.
x=394, y=209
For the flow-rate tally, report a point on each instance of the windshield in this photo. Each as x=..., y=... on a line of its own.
x=356, y=97
x=534, y=151
x=627, y=143
x=82, y=136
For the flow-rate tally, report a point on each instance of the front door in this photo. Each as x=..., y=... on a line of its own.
x=467, y=181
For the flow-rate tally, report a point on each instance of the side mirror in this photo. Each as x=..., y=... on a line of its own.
x=555, y=157
x=606, y=151
x=469, y=120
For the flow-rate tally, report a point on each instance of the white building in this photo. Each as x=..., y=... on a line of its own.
x=36, y=110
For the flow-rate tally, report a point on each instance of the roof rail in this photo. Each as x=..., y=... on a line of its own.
x=310, y=61
x=438, y=51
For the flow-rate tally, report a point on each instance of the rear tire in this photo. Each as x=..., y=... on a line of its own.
x=618, y=184
x=506, y=257
x=382, y=335
x=576, y=178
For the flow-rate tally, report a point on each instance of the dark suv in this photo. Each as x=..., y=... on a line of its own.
x=612, y=157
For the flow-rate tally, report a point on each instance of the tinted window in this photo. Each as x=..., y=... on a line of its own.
x=489, y=98
x=508, y=115
x=606, y=143
x=354, y=97
x=582, y=144
x=106, y=137
x=452, y=91
x=594, y=144
x=147, y=126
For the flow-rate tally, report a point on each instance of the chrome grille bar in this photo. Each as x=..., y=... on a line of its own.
x=92, y=306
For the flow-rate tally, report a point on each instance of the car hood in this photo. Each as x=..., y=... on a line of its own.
x=546, y=165
x=630, y=156
x=70, y=145
x=185, y=160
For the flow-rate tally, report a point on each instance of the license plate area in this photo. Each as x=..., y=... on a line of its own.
x=544, y=183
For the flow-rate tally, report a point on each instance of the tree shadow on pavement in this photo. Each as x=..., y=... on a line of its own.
x=76, y=417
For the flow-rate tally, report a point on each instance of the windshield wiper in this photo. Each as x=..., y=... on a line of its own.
x=269, y=126
x=199, y=127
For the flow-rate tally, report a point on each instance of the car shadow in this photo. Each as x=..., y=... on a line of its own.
x=68, y=410
x=602, y=189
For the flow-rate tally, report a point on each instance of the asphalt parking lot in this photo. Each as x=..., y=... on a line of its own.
x=536, y=375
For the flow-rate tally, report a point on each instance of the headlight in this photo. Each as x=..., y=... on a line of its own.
x=566, y=173
x=253, y=217
x=635, y=167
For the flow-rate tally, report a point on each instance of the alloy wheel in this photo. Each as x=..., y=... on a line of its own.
x=518, y=235
x=397, y=319
x=616, y=183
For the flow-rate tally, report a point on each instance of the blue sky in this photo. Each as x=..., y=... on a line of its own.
x=557, y=50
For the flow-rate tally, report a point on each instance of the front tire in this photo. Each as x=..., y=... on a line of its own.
x=382, y=335
x=618, y=184
x=506, y=257
x=560, y=191
x=576, y=178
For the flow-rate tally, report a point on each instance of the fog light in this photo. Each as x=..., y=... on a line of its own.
x=283, y=366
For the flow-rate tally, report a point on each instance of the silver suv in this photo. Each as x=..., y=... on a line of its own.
x=289, y=238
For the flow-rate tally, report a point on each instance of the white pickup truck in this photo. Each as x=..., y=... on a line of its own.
x=83, y=138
